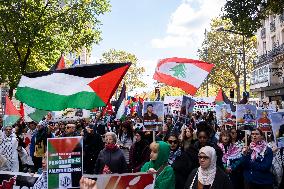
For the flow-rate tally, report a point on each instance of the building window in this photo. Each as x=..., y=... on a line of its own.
x=282, y=36
x=264, y=47
x=273, y=41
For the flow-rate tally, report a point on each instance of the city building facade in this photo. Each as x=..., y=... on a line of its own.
x=268, y=75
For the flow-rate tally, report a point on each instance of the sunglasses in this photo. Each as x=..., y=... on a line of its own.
x=70, y=128
x=203, y=157
x=172, y=141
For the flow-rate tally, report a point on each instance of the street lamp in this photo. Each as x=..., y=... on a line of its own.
x=221, y=29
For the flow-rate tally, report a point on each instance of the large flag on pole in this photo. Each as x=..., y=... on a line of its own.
x=84, y=87
x=12, y=115
x=183, y=73
x=121, y=98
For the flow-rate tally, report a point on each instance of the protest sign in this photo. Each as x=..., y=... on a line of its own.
x=263, y=119
x=153, y=115
x=224, y=116
x=123, y=181
x=17, y=180
x=204, y=104
x=277, y=122
x=172, y=104
x=246, y=116
x=187, y=105
x=64, y=162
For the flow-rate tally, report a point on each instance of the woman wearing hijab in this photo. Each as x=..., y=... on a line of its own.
x=165, y=178
x=139, y=152
x=208, y=175
x=257, y=162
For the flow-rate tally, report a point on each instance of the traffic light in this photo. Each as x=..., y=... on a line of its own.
x=232, y=93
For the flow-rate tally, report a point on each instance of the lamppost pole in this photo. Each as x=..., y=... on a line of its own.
x=243, y=49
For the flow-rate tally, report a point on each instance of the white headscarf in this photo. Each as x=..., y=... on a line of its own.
x=207, y=176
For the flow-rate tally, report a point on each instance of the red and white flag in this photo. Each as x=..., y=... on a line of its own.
x=183, y=73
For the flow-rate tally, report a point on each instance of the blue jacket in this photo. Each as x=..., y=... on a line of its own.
x=258, y=171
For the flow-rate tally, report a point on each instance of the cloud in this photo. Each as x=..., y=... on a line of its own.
x=188, y=22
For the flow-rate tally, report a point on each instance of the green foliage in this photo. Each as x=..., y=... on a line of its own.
x=246, y=15
x=225, y=51
x=132, y=78
x=34, y=34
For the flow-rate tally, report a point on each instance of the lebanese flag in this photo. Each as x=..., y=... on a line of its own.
x=12, y=115
x=183, y=73
x=83, y=87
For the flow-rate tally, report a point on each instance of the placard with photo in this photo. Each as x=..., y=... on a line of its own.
x=153, y=115
x=246, y=117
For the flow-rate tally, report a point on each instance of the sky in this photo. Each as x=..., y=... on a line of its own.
x=156, y=29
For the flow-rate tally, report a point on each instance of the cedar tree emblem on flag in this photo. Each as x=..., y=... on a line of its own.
x=84, y=87
x=184, y=73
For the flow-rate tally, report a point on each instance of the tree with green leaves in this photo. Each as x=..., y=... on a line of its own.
x=132, y=78
x=225, y=51
x=34, y=33
x=246, y=15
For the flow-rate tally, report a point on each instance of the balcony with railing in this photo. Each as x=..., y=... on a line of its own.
x=276, y=50
x=263, y=33
x=281, y=18
x=272, y=26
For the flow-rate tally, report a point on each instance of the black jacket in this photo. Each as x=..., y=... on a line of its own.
x=183, y=166
x=221, y=180
x=115, y=160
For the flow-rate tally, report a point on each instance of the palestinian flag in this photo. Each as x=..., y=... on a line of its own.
x=83, y=87
x=222, y=98
x=120, y=99
x=183, y=73
x=12, y=115
x=60, y=64
x=33, y=114
x=219, y=100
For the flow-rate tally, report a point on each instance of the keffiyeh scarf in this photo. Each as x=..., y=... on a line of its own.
x=258, y=149
x=233, y=152
x=41, y=182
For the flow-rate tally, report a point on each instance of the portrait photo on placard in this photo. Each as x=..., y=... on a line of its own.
x=153, y=115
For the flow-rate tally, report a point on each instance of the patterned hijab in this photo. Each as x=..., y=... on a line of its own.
x=207, y=176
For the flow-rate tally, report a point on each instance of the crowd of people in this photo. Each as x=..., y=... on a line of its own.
x=187, y=152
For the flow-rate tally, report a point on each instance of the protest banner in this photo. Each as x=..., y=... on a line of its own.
x=246, y=116
x=17, y=180
x=224, y=116
x=64, y=162
x=204, y=104
x=123, y=181
x=153, y=115
x=263, y=119
x=172, y=104
x=70, y=114
x=277, y=122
